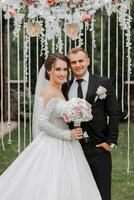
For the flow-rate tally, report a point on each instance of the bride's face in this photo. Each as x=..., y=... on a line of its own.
x=58, y=73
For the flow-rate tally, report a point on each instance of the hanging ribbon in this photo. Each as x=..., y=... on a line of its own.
x=24, y=86
x=117, y=55
x=128, y=97
x=29, y=93
x=109, y=30
x=93, y=42
x=101, y=71
x=123, y=70
x=8, y=81
x=18, y=89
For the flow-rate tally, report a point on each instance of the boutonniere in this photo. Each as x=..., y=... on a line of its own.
x=100, y=93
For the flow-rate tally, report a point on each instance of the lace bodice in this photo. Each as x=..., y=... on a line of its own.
x=51, y=118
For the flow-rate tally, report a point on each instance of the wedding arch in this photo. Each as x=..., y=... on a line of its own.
x=59, y=25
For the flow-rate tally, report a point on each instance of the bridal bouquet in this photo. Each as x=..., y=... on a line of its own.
x=77, y=110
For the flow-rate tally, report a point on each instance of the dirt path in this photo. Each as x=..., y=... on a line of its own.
x=6, y=129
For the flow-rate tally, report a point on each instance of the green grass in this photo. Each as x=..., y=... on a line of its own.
x=11, y=151
x=122, y=183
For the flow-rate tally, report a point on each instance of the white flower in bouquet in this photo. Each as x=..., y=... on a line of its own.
x=77, y=110
x=101, y=93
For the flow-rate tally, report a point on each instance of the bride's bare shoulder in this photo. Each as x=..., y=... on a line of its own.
x=49, y=93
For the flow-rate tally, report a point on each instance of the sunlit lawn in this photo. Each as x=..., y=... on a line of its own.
x=123, y=183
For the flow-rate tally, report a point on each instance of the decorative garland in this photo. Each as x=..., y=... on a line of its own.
x=75, y=12
x=45, y=18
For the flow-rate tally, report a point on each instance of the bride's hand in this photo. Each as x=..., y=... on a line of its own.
x=76, y=133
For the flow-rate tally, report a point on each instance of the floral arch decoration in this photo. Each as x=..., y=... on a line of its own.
x=48, y=18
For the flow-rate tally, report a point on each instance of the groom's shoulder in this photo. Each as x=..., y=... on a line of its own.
x=101, y=79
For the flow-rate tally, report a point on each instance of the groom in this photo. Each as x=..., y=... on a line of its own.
x=100, y=134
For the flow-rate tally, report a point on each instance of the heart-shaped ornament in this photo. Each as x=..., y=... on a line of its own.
x=72, y=30
x=34, y=29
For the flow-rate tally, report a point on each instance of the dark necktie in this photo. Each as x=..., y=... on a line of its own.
x=79, y=89
x=80, y=95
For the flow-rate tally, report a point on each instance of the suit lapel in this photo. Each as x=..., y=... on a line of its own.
x=91, y=89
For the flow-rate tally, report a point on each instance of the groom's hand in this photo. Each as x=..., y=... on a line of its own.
x=105, y=146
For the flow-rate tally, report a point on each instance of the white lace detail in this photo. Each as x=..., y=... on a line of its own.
x=50, y=119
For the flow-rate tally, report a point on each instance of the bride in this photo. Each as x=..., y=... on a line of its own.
x=53, y=166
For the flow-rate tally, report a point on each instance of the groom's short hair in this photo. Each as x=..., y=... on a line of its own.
x=76, y=50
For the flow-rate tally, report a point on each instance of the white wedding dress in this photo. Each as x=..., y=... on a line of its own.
x=52, y=167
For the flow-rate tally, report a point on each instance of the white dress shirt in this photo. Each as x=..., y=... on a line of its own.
x=73, y=89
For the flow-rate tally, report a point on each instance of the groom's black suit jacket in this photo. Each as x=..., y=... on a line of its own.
x=99, y=129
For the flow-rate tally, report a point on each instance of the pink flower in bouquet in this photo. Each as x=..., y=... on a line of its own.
x=77, y=110
x=66, y=118
x=29, y=2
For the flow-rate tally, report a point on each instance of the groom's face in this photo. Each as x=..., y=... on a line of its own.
x=79, y=64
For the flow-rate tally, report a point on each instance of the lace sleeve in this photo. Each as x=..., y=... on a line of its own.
x=48, y=127
x=60, y=108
